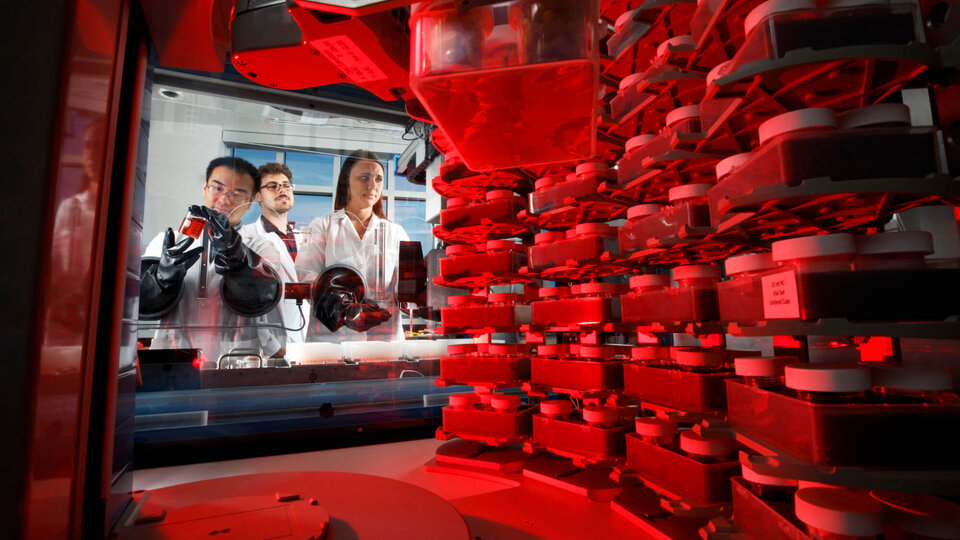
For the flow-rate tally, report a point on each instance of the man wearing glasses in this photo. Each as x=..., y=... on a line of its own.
x=209, y=290
x=273, y=238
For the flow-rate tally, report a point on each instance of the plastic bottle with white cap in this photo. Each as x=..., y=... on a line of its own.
x=838, y=514
x=894, y=382
x=828, y=382
x=822, y=265
x=741, y=296
x=915, y=516
x=708, y=445
x=695, y=296
x=765, y=372
x=769, y=488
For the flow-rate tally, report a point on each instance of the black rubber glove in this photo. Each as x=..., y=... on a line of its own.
x=229, y=251
x=338, y=301
x=364, y=315
x=161, y=280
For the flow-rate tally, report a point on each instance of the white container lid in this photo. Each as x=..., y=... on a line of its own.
x=465, y=300
x=700, y=357
x=502, y=298
x=622, y=20
x=881, y=114
x=688, y=191
x=553, y=292
x=501, y=245
x=682, y=113
x=643, y=210
x=808, y=247
x=762, y=366
x=629, y=80
x=505, y=402
x=827, y=377
x=547, y=237
x=456, y=202
x=570, y=233
x=839, y=511
x=592, y=166
x=459, y=249
x=920, y=514
x=556, y=407
x=705, y=444
x=595, y=414
x=650, y=352
x=636, y=142
x=313, y=353
x=897, y=376
x=696, y=271
x=461, y=348
x=753, y=476
x=464, y=400
x=676, y=41
x=553, y=349
x=598, y=352
x=719, y=70
x=504, y=349
x=496, y=194
x=602, y=288
x=803, y=119
x=919, y=242
x=727, y=165
x=485, y=397
x=649, y=281
x=547, y=181
x=584, y=229
x=772, y=7
x=649, y=426
x=751, y=262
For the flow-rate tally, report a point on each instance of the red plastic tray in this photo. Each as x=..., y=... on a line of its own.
x=668, y=470
x=676, y=389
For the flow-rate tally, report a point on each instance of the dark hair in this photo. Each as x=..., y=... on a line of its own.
x=235, y=164
x=275, y=168
x=343, y=181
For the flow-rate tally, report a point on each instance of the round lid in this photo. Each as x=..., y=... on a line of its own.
x=696, y=271
x=547, y=237
x=643, y=210
x=571, y=233
x=596, y=414
x=485, y=397
x=706, y=444
x=911, y=377
x=499, y=298
x=881, y=114
x=636, y=142
x=762, y=366
x=462, y=400
x=839, y=511
x=650, y=352
x=689, y=191
x=727, y=165
x=815, y=118
x=718, y=71
x=751, y=262
x=697, y=357
x=460, y=249
x=827, y=377
x=629, y=80
x=505, y=402
x=458, y=201
x=547, y=181
x=622, y=20
x=585, y=229
x=461, y=348
x=649, y=281
x=553, y=292
x=495, y=194
x=465, y=300
x=676, y=41
x=772, y=7
x=591, y=167
x=752, y=476
x=482, y=347
x=682, y=113
x=575, y=290
x=596, y=351
x=921, y=514
x=553, y=350
x=503, y=348
x=649, y=426
x=808, y=247
x=917, y=242
x=556, y=407
x=574, y=349
x=501, y=245
x=602, y=288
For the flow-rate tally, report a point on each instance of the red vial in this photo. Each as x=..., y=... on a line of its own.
x=192, y=225
x=838, y=514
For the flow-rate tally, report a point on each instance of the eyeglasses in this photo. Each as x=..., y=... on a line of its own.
x=234, y=196
x=273, y=186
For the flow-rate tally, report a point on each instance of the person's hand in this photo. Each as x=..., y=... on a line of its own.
x=175, y=259
x=363, y=316
x=222, y=236
x=331, y=305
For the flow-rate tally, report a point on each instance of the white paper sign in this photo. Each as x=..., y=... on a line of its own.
x=780, y=298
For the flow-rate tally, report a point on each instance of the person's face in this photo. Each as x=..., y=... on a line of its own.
x=278, y=201
x=366, y=184
x=228, y=192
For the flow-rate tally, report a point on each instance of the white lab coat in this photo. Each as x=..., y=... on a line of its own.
x=205, y=323
x=272, y=250
x=332, y=240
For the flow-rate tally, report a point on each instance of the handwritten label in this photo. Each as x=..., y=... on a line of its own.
x=780, y=298
x=349, y=59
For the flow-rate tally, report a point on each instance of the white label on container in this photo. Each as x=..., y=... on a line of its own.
x=349, y=59
x=780, y=298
